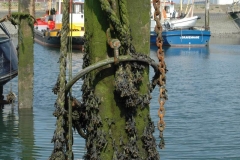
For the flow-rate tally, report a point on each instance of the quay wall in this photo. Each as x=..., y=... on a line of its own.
x=221, y=24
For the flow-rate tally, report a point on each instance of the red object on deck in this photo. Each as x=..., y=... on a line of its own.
x=51, y=25
x=40, y=22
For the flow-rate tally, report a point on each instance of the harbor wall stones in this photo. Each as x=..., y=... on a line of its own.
x=221, y=24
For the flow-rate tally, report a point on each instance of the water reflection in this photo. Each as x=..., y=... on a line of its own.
x=186, y=51
x=8, y=134
x=195, y=128
x=26, y=133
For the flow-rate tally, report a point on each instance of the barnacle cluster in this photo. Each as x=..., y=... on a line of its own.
x=149, y=141
x=95, y=139
x=86, y=61
x=60, y=141
x=124, y=81
x=56, y=87
x=131, y=149
x=60, y=134
x=87, y=119
x=128, y=78
x=88, y=123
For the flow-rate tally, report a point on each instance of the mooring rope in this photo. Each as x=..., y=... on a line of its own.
x=115, y=21
x=70, y=134
x=60, y=135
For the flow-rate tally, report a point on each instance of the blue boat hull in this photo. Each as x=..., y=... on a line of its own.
x=181, y=38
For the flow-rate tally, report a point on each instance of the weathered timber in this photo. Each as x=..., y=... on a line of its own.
x=112, y=110
x=25, y=55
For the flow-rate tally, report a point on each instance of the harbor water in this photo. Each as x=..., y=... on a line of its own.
x=202, y=111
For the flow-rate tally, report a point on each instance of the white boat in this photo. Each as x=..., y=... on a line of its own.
x=188, y=21
x=181, y=31
x=184, y=23
x=171, y=22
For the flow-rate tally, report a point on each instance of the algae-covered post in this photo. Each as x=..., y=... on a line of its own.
x=25, y=54
x=113, y=115
x=32, y=8
x=116, y=97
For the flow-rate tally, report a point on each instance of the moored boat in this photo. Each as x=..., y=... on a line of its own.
x=187, y=37
x=181, y=32
x=171, y=19
x=47, y=29
x=8, y=57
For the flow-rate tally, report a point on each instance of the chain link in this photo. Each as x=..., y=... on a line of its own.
x=162, y=68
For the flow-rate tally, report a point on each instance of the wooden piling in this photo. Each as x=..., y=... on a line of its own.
x=25, y=55
x=112, y=110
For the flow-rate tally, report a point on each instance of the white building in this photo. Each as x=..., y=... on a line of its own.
x=222, y=2
x=219, y=2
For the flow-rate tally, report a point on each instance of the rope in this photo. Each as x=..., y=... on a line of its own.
x=124, y=19
x=70, y=142
x=115, y=21
x=60, y=134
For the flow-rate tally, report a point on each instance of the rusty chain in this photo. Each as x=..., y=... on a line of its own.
x=162, y=68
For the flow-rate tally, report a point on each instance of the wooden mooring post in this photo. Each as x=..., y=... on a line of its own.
x=125, y=128
x=25, y=54
x=113, y=116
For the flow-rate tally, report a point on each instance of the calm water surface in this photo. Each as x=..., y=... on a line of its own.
x=202, y=113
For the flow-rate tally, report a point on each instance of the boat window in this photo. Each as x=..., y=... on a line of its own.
x=167, y=9
x=78, y=8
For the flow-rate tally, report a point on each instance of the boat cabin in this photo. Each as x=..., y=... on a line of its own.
x=76, y=13
x=168, y=6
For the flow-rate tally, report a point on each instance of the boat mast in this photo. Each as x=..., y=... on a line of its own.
x=59, y=6
x=161, y=10
x=190, y=11
x=193, y=7
x=207, y=15
x=187, y=7
x=180, y=7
